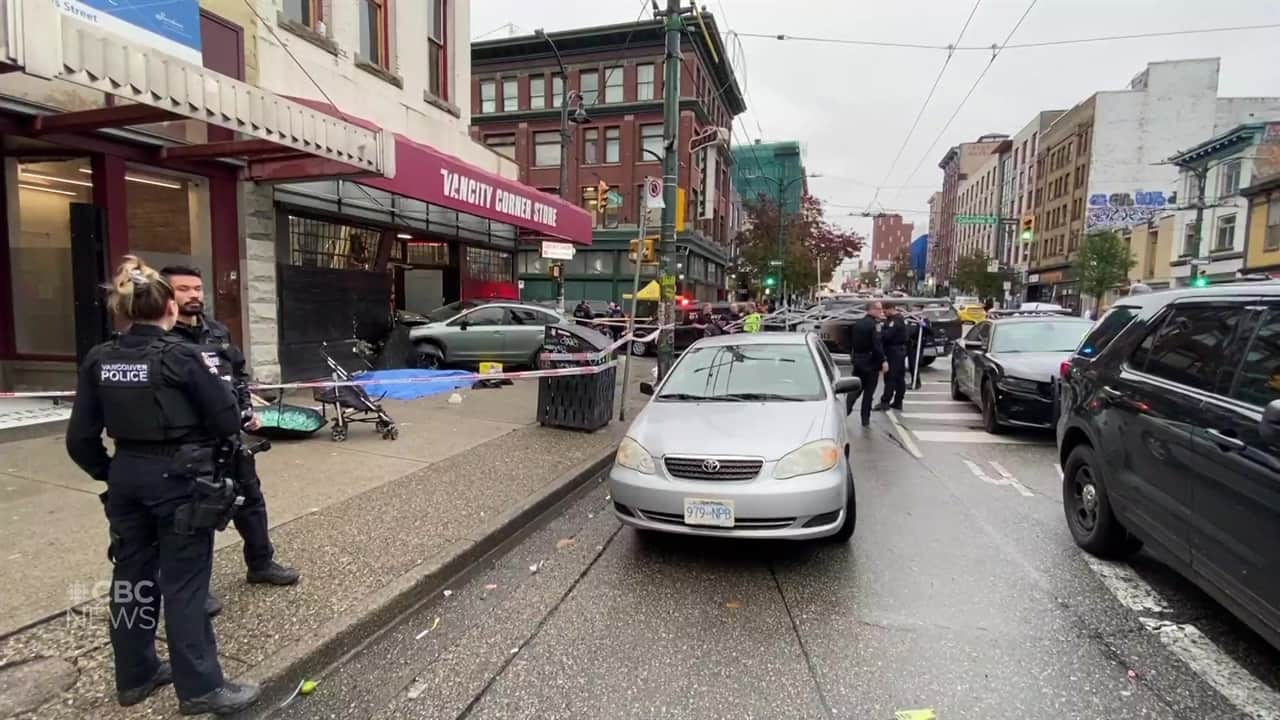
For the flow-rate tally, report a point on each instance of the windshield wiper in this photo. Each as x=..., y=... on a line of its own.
x=689, y=397
x=760, y=396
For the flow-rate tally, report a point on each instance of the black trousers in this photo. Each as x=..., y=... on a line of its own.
x=869, y=375
x=154, y=561
x=251, y=521
x=895, y=382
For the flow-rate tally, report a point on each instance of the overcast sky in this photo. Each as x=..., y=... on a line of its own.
x=852, y=106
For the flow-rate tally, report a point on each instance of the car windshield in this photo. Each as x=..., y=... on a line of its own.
x=749, y=372
x=447, y=312
x=1039, y=336
x=940, y=313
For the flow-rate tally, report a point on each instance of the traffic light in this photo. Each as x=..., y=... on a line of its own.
x=770, y=280
x=1200, y=281
x=602, y=199
x=650, y=254
x=1028, y=228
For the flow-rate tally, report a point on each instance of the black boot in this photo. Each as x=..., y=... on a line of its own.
x=230, y=698
x=133, y=696
x=212, y=604
x=273, y=573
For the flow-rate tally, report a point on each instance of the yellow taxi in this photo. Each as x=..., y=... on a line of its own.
x=970, y=310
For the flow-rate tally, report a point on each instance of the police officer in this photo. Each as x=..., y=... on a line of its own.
x=867, y=352
x=159, y=401
x=893, y=336
x=214, y=341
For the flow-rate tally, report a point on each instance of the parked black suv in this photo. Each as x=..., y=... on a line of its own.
x=1169, y=437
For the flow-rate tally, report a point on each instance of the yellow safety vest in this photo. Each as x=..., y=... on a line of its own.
x=751, y=323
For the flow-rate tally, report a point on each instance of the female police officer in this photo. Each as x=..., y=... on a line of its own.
x=160, y=402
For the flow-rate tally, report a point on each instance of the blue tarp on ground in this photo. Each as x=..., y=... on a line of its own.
x=413, y=391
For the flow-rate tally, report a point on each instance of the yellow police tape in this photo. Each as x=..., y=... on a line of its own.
x=925, y=714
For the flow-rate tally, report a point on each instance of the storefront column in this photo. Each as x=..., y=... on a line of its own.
x=10, y=196
x=109, y=193
x=263, y=335
x=224, y=231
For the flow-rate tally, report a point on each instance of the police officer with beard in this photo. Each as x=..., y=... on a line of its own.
x=167, y=410
x=866, y=350
x=213, y=339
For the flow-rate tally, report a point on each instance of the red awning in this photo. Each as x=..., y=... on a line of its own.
x=427, y=174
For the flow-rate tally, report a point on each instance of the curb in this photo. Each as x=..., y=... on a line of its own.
x=312, y=655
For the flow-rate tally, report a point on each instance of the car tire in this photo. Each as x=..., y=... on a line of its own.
x=990, y=421
x=956, y=392
x=639, y=349
x=1087, y=506
x=850, y=516
x=428, y=357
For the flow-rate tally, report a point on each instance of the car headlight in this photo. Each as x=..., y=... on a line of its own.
x=1018, y=385
x=633, y=456
x=815, y=457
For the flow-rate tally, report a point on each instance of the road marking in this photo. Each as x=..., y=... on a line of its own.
x=903, y=436
x=1128, y=586
x=1010, y=479
x=942, y=416
x=970, y=436
x=961, y=403
x=1236, y=684
x=927, y=392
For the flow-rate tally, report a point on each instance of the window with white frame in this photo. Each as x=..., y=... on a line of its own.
x=589, y=84
x=651, y=140
x=612, y=145
x=510, y=94
x=1191, y=240
x=613, y=77
x=1226, y=235
x=546, y=149
x=644, y=82
x=557, y=90
x=1230, y=180
x=537, y=92
x=437, y=47
x=488, y=96
x=590, y=146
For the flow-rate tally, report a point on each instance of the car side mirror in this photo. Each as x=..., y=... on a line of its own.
x=1270, y=426
x=973, y=345
x=646, y=388
x=847, y=385
x=463, y=324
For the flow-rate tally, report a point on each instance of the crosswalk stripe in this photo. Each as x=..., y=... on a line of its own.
x=942, y=416
x=958, y=403
x=928, y=392
x=971, y=436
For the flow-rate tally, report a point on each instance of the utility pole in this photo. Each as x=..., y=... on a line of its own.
x=782, y=252
x=674, y=24
x=1202, y=175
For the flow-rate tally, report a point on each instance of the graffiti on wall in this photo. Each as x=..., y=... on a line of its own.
x=1121, y=210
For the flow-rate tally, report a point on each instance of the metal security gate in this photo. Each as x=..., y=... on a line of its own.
x=325, y=305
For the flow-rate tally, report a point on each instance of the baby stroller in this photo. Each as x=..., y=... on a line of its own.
x=351, y=403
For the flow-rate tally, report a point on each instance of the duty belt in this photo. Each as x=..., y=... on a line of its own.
x=148, y=449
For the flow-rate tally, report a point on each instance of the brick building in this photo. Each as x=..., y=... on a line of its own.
x=957, y=165
x=617, y=70
x=889, y=236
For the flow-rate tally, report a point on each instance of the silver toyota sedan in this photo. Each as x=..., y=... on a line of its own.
x=745, y=437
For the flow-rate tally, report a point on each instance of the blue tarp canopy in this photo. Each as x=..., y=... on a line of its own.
x=444, y=381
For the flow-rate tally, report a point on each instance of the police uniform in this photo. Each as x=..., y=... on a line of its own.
x=153, y=394
x=866, y=350
x=894, y=338
x=213, y=340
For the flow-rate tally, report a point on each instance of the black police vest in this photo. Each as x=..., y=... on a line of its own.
x=213, y=345
x=137, y=405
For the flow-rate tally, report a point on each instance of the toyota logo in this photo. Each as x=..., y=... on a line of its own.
x=711, y=465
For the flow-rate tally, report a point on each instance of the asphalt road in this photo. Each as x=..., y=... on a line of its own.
x=961, y=593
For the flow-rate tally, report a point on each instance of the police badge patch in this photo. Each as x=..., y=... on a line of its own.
x=210, y=361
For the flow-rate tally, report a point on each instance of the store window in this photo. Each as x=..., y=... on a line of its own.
x=325, y=244
x=168, y=219
x=419, y=252
x=532, y=263
x=40, y=254
x=488, y=265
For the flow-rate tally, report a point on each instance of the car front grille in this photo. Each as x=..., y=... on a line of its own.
x=709, y=468
x=739, y=523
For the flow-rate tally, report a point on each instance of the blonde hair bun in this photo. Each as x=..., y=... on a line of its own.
x=138, y=291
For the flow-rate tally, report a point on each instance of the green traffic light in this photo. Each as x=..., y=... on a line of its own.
x=1200, y=281
x=1026, y=235
x=770, y=281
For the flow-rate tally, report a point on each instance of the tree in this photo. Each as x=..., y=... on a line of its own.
x=900, y=273
x=808, y=238
x=972, y=275
x=1102, y=263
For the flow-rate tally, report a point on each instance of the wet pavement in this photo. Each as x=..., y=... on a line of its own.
x=961, y=593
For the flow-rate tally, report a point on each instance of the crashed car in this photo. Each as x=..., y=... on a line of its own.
x=933, y=320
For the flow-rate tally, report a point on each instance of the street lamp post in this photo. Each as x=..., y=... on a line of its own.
x=579, y=117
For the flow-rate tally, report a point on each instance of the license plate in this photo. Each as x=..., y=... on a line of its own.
x=930, y=351
x=713, y=513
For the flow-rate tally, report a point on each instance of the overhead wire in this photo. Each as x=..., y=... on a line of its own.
x=1015, y=46
x=625, y=44
x=925, y=105
x=994, y=54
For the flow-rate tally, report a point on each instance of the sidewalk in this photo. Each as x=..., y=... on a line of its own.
x=370, y=524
